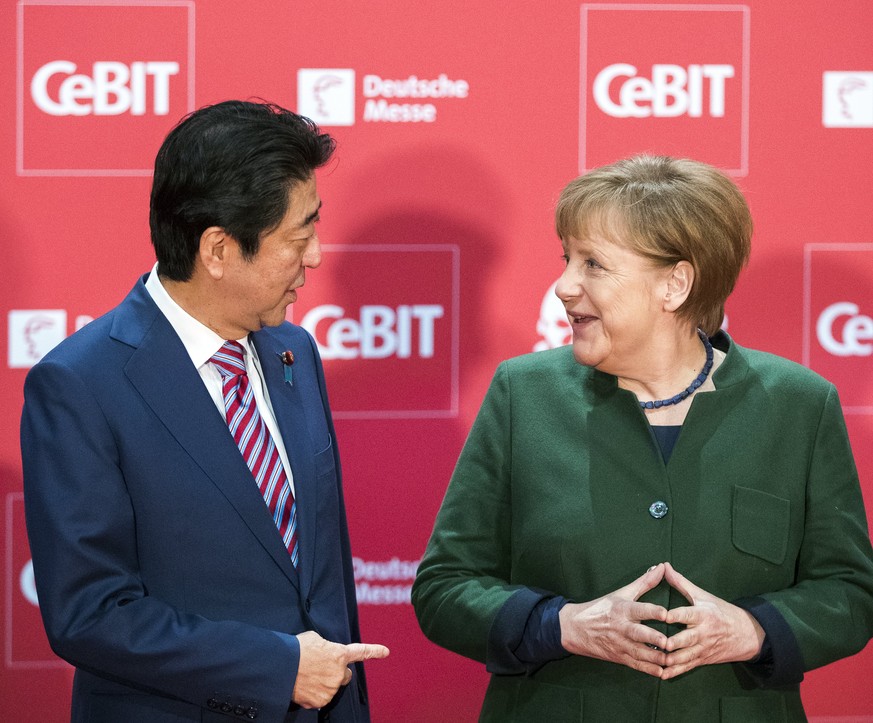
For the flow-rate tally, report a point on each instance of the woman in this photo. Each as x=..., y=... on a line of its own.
x=653, y=523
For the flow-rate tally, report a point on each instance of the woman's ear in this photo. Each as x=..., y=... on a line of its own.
x=679, y=284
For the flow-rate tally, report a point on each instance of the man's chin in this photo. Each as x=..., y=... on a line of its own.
x=276, y=318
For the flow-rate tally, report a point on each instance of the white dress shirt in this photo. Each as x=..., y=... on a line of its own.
x=201, y=343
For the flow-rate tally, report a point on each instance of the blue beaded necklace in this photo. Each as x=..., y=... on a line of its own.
x=685, y=393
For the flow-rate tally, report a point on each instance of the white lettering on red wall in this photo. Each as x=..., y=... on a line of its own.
x=386, y=582
x=379, y=332
x=856, y=336
x=111, y=88
x=670, y=91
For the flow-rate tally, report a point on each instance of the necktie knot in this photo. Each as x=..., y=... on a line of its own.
x=229, y=359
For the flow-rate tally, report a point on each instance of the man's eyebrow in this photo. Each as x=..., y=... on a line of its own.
x=312, y=216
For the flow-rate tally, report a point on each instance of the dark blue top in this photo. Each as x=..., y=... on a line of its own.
x=666, y=437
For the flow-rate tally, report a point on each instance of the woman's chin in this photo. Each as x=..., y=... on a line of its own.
x=587, y=356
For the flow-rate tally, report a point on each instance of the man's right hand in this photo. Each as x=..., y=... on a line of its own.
x=324, y=667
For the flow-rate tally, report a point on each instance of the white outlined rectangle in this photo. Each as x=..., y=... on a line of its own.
x=453, y=408
x=743, y=169
x=808, y=250
x=20, y=85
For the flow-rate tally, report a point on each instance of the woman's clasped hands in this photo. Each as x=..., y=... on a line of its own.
x=611, y=628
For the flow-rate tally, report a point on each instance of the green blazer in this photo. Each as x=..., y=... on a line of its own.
x=551, y=495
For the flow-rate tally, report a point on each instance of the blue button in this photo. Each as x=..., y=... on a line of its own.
x=658, y=509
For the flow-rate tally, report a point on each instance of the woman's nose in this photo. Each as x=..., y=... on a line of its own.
x=566, y=288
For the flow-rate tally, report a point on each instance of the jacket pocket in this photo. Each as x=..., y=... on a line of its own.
x=522, y=700
x=324, y=460
x=760, y=524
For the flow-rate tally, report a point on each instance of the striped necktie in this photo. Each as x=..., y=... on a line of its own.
x=256, y=443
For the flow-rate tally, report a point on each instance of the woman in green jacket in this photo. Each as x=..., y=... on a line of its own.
x=653, y=523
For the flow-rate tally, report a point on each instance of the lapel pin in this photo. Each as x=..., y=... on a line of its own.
x=287, y=358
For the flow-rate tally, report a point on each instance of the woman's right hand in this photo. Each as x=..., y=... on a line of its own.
x=610, y=628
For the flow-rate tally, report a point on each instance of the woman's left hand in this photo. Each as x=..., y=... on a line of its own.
x=715, y=632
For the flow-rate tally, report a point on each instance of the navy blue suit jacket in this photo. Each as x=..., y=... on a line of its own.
x=160, y=573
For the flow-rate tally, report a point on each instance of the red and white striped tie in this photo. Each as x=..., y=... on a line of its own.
x=256, y=443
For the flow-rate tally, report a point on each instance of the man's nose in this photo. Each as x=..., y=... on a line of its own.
x=312, y=254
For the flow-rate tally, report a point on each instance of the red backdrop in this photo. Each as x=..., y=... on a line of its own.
x=458, y=124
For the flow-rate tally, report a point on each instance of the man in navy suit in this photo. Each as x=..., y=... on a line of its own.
x=162, y=576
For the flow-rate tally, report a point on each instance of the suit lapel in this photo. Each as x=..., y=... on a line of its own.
x=291, y=417
x=162, y=372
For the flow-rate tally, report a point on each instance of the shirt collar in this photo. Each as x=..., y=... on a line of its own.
x=199, y=340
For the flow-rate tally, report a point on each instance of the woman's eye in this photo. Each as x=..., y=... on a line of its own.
x=592, y=264
x=565, y=259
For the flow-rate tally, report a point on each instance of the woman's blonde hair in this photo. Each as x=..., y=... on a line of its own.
x=668, y=210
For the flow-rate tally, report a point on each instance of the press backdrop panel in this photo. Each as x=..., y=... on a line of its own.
x=458, y=124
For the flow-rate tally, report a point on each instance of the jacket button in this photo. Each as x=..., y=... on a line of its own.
x=658, y=509
x=239, y=710
x=212, y=703
x=226, y=707
x=252, y=713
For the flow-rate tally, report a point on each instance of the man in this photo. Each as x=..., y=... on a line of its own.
x=182, y=484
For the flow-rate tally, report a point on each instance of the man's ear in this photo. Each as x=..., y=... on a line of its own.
x=679, y=284
x=214, y=251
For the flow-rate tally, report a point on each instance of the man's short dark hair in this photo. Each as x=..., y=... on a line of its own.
x=229, y=165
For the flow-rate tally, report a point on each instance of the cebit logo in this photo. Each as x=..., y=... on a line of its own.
x=847, y=100
x=327, y=95
x=672, y=90
x=552, y=325
x=111, y=88
x=378, y=333
x=856, y=338
x=668, y=79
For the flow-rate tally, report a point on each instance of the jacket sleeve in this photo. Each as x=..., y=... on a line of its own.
x=462, y=594
x=830, y=608
x=98, y=613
